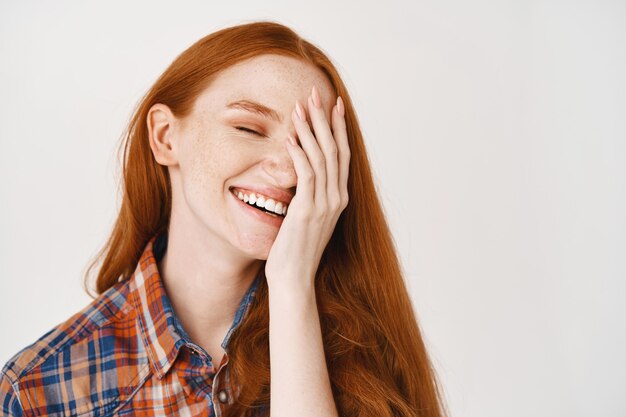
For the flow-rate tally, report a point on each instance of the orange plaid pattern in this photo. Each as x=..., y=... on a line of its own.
x=124, y=354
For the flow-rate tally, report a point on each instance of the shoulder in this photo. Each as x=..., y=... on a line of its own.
x=110, y=308
x=91, y=353
x=9, y=402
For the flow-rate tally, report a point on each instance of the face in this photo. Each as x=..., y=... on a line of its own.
x=214, y=153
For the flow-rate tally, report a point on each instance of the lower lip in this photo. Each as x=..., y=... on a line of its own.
x=258, y=214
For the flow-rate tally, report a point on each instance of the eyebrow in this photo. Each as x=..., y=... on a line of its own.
x=254, y=107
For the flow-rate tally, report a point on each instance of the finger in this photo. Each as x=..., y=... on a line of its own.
x=314, y=155
x=343, y=149
x=327, y=144
x=304, y=172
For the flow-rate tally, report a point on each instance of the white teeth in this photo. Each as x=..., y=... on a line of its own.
x=269, y=204
x=260, y=201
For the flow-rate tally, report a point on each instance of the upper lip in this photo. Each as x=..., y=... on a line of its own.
x=275, y=193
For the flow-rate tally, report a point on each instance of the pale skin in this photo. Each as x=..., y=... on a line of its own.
x=215, y=248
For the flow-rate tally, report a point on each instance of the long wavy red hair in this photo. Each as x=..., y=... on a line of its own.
x=377, y=361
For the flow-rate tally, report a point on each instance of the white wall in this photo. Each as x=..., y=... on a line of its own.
x=497, y=131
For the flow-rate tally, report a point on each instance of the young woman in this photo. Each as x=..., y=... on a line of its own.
x=251, y=270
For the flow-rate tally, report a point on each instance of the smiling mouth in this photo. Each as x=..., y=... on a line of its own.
x=266, y=211
x=269, y=206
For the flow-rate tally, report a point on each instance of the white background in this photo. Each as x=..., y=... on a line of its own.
x=496, y=130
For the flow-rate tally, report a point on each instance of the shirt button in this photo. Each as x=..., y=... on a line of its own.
x=223, y=396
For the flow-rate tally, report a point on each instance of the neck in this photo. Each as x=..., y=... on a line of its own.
x=205, y=279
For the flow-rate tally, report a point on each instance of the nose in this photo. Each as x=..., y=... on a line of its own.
x=279, y=165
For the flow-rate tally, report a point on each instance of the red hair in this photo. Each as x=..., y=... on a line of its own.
x=377, y=361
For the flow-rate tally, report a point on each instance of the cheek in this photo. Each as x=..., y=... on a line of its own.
x=211, y=163
x=201, y=170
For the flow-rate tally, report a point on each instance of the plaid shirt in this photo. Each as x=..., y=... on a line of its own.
x=124, y=354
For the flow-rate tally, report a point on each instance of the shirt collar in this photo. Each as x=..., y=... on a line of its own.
x=161, y=331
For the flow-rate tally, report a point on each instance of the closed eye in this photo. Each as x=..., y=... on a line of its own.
x=245, y=129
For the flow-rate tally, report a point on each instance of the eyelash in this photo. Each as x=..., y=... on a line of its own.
x=245, y=129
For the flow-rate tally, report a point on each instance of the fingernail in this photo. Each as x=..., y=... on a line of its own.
x=300, y=111
x=340, y=108
x=315, y=95
x=291, y=139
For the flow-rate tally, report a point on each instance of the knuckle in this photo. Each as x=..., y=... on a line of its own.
x=319, y=215
x=306, y=215
x=308, y=175
x=334, y=202
x=320, y=162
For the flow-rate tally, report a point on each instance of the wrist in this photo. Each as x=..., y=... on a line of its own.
x=291, y=288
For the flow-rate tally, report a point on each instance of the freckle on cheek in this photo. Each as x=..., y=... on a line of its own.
x=204, y=170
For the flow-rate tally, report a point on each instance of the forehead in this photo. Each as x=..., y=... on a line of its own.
x=275, y=80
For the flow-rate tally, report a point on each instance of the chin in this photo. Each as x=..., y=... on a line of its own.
x=259, y=251
x=256, y=247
